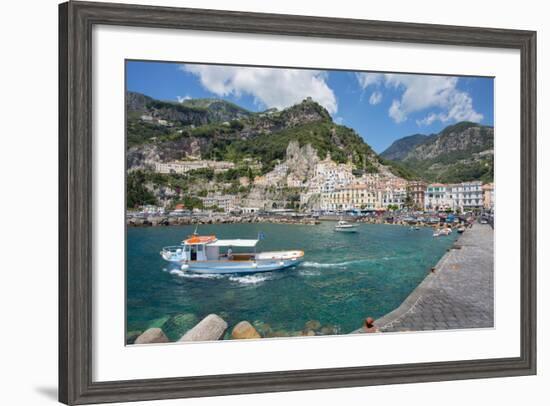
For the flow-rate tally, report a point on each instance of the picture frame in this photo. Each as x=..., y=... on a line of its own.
x=76, y=20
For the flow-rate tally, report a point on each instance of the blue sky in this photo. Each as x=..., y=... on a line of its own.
x=381, y=107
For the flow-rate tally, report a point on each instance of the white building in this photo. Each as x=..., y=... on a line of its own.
x=181, y=167
x=437, y=197
x=356, y=196
x=466, y=195
x=329, y=175
x=225, y=202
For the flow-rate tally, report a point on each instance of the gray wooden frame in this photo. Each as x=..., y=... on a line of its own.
x=76, y=20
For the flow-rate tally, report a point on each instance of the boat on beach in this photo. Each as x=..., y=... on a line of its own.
x=210, y=255
x=345, y=227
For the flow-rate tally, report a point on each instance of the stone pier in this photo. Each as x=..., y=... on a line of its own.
x=458, y=294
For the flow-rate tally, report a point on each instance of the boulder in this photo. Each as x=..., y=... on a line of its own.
x=244, y=330
x=152, y=336
x=131, y=336
x=177, y=325
x=313, y=325
x=308, y=333
x=263, y=328
x=328, y=330
x=211, y=328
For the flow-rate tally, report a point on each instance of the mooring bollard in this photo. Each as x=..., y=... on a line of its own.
x=369, y=325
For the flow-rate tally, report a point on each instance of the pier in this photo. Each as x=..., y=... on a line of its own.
x=458, y=293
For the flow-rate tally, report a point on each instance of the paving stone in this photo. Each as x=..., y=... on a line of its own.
x=460, y=293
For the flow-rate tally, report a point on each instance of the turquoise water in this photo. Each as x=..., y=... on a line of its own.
x=343, y=279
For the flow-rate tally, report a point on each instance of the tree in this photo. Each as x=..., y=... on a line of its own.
x=409, y=201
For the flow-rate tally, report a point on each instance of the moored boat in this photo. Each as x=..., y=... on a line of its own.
x=208, y=254
x=442, y=232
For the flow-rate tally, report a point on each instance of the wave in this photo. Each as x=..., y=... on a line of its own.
x=304, y=272
x=250, y=279
x=191, y=275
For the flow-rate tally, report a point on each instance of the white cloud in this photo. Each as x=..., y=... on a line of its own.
x=423, y=92
x=339, y=120
x=181, y=99
x=367, y=79
x=270, y=87
x=375, y=97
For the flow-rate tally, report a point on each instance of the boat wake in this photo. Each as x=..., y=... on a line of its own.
x=253, y=279
x=309, y=264
x=191, y=275
x=250, y=279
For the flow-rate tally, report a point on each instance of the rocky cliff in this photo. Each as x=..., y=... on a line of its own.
x=460, y=152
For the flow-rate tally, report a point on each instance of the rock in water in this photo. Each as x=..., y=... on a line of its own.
x=212, y=327
x=178, y=325
x=244, y=330
x=131, y=336
x=313, y=325
x=151, y=336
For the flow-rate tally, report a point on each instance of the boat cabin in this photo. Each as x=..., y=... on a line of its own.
x=209, y=248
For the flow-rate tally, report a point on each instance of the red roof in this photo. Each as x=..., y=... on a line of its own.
x=200, y=239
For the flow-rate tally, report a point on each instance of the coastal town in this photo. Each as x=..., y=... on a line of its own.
x=332, y=189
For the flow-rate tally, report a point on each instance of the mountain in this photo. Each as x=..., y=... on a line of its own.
x=218, y=130
x=195, y=112
x=272, y=154
x=460, y=152
x=399, y=149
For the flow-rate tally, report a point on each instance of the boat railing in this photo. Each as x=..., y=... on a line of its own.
x=173, y=248
x=172, y=252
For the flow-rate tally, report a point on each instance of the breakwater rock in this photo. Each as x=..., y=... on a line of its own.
x=152, y=336
x=154, y=221
x=214, y=328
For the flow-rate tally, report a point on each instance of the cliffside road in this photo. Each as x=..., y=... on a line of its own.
x=458, y=295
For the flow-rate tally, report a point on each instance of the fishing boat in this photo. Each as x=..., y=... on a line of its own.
x=345, y=227
x=208, y=254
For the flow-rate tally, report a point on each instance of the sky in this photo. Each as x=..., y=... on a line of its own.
x=380, y=107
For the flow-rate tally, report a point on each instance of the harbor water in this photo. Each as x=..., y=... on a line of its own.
x=343, y=278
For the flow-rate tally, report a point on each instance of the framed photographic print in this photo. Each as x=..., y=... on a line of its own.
x=259, y=202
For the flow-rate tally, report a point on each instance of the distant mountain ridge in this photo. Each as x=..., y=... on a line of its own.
x=399, y=149
x=189, y=112
x=463, y=151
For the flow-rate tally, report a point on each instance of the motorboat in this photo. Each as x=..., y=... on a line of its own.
x=442, y=232
x=345, y=227
x=208, y=254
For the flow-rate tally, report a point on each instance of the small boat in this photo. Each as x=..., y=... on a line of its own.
x=461, y=229
x=442, y=232
x=204, y=254
x=345, y=227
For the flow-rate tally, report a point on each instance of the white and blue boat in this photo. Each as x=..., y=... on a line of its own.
x=208, y=254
